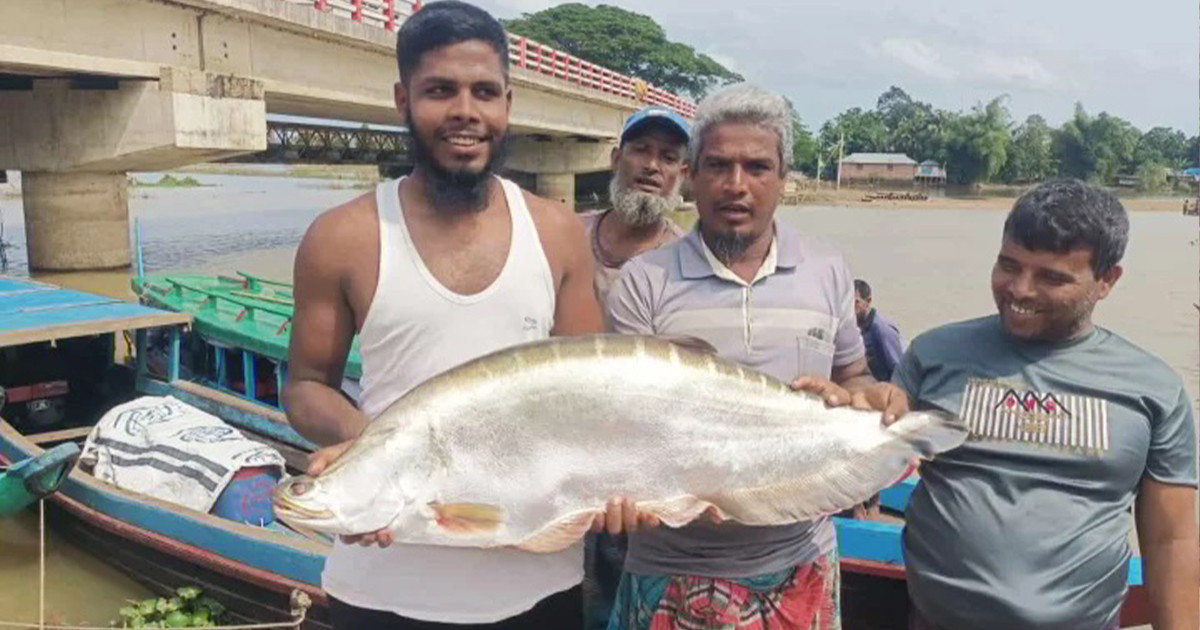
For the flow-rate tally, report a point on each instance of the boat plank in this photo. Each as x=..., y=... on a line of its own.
x=79, y=322
x=238, y=412
x=59, y=436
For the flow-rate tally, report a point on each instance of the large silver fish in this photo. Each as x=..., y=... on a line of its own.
x=522, y=448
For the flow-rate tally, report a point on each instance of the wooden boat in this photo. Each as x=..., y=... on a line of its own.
x=252, y=570
x=874, y=593
x=241, y=325
x=35, y=478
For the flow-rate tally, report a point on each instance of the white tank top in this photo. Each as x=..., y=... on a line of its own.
x=416, y=328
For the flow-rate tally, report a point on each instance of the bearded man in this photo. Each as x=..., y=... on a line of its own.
x=648, y=166
x=438, y=268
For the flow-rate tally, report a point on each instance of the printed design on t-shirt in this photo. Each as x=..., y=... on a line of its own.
x=999, y=411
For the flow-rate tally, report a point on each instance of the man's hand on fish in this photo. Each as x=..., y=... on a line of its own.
x=621, y=516
x=318, y=461
x=885, y=397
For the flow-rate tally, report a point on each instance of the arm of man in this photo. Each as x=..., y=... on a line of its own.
x=323, y=328
x=1165, y=513
x=565, y=243
x=891, y=350
x=1167, y=535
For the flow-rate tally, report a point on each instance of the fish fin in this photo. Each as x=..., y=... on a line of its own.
x=691, y=343
x=469, y=518
x=559, y=534
x=852, y=481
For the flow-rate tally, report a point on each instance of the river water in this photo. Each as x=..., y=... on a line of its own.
x=926, y=267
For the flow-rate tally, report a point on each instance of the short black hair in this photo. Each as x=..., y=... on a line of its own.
x=1063, y=214
x=443, y=24
x=862, y=289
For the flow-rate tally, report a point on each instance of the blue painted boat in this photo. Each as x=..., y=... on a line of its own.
x=70, y=339
x=35, y=478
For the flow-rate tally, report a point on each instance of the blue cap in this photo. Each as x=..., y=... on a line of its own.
x=656, y=114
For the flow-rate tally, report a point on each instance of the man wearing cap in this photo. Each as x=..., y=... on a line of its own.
x=648, y=166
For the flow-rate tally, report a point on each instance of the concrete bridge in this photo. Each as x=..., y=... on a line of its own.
x=91, y=89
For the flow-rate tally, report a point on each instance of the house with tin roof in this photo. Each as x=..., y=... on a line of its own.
x=930, y=173
x=877, y=167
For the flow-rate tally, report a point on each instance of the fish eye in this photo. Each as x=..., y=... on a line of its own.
x=301, y=487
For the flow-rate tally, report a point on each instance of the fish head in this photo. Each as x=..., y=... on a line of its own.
x=359, y=493
x=305, y=501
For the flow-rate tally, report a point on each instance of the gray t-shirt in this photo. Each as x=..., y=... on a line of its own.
x=796, y=318
x=1026, y=525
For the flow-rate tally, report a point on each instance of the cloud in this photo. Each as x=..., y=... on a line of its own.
x=917, y=55
x=949, y=63
x=1018, y=71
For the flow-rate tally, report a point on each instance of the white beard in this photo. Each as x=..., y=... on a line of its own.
x=639, y=208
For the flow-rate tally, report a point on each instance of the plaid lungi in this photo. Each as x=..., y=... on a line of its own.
x=801, y=598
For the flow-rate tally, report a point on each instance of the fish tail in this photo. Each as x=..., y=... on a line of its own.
x=848, y=482
x=929, y=432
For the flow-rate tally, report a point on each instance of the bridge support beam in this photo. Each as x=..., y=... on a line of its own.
x=76, y=220
x=558, y=187
x=555, y=161
x=75, y=140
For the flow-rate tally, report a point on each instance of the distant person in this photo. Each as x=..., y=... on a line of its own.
x=880, y=336
x=1026, y=525
x=648, y=166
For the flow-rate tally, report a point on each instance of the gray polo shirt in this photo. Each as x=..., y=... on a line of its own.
x=1026, y=525
x=796, y=318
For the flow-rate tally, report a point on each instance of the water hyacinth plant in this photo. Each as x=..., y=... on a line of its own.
x=189, y=608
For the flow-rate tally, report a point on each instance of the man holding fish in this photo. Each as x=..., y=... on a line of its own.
x=773, y=300
x=441, y=267
x=1072, y=426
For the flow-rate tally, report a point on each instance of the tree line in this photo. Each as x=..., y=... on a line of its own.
x=985, y=145
x=977, y=146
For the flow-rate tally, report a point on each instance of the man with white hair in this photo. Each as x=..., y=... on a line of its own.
x=648, y=166
x=772, y=299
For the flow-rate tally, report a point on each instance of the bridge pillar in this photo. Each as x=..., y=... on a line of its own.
x=555, y=161
x=76, y=220
x=557, y=186
x=76, y=139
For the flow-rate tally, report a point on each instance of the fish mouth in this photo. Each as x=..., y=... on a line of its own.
x=285, y=502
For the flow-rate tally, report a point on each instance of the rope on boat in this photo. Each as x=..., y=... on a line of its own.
x=300, y=601
x=41, y=564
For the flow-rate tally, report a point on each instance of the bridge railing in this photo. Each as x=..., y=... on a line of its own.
x=523, y=53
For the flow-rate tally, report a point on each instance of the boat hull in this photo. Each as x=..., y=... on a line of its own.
x=252, y=571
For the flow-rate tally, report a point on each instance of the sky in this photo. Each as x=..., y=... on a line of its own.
x=1138, y=60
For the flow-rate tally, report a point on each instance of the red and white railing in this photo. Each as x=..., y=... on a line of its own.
x=523, y=53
